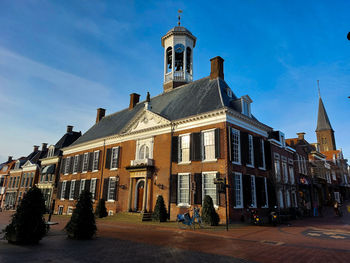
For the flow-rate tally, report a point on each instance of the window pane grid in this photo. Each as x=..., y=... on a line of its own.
x=209, y=188
x=185, y=148
x=209, y=145
x=114, y=163
x=184, y=186
x=235, y=146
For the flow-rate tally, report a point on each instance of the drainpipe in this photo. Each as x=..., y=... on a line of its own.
x=170, y=167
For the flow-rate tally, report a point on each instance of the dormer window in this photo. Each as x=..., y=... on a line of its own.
x=246, y=101
x=282, y=140
x=229, y=92
x=51, y=151
x=17, y=165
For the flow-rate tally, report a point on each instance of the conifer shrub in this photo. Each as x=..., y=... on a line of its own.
x=209, y=215
x=28, y=224
x=101, y=210
x=82, y=224
x=160, y=213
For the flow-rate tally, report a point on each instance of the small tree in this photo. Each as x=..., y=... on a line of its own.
x=28, y=224
x=209, y=215
x=160, y=213
x=101, y=210
x=82, y=224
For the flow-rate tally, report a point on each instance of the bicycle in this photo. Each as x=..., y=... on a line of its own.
x=184, y=220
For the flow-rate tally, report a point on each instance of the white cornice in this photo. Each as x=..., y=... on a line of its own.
x=51, y=160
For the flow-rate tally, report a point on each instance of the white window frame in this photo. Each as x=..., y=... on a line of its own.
x=250, y=150
x=334, y=176
x=253, y=191
x=263, y=154
x=182, y=161
x=93, y=187
x=291, y=174
x=17, y=165
x=67, y=164
x=294, y=199
x=114, y=158
x=240, y=189
x=184, y=189
x=285, y=172
x=85, y=163
x=60, y=210
x=96, y=157
x=75, y=164
x=288, y=199
x=71, y=190
x=266, y=194
x=69, y=210
x=82, y=186
x=215, y=201
x=212, y=146
x=280, y=199
x=109, y=188
x=236, y=146
x=63, y=189
x=148, y=142
x=51, y=151
x=277, y=169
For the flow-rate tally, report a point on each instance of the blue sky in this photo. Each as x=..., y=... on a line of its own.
x=61, y=60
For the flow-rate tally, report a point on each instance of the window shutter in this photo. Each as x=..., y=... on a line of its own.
x=97, y=187
x=260, y=191
x=174, y=149
x=66, y=196
x=247, y=192
x=271, y=192
x=218, y=191
x=91, y=160
x=196, y=150
x=59, y=190
x=105, y=189
x=99, y=162
x=257, y=152
x=108, y=159
x=229, y=143
x=87, y=185
x=116, y=189
x=232, y=188
x=244, y=147
x=268, y=161
x=76, y=190
x=71, y=162
x=80, y=163
x=63, y=164
x=198, y=192
x=217, y=143
x=173, y=189
x=191, y=147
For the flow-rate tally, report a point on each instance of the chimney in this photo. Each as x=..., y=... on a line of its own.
x=100, y=114
x=36, y=148
x=43, y=146
x=217, y=68
x=134, y=99
x=69, y=128
x=301, y=135
x=9, y=159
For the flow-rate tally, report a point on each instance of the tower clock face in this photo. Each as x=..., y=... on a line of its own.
x=179, y=48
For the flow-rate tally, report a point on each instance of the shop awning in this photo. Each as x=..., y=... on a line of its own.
x=50, y=169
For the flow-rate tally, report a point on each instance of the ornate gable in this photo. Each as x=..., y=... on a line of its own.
x=145, y=120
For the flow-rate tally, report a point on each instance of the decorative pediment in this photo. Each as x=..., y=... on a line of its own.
x=27, y=163
x=145, y=120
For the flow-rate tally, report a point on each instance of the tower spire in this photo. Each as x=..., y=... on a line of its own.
x=179, y=17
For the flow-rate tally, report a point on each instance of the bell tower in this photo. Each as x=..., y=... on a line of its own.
x=178, y=44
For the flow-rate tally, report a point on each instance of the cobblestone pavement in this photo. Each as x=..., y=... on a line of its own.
x=309, y=240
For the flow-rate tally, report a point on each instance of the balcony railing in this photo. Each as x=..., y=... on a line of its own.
x=178, y=76
x=145, y=162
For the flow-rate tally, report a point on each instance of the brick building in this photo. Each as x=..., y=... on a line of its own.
x=173, y=145
x=5, y=169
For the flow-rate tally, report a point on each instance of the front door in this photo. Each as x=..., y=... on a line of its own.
x=140, y=189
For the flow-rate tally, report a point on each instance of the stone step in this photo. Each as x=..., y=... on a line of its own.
x=147, y=217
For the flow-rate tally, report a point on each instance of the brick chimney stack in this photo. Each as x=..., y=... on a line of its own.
x=217, y=68
x=43, y=146
x=134, y=99
x=100, y=114
x=301, y=135
x=69, y=128
x=35, y=148
x=9, y=159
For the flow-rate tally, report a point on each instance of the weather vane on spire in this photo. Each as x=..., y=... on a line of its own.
x=318, y=87
x=179, y=17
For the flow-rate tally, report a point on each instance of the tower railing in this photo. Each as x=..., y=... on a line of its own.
x=178, y=76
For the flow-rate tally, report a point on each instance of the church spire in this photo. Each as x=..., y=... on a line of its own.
x=324, y=130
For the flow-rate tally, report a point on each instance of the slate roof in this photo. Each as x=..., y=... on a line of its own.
x=65, y=141
x=323, y=122
x=201, y=96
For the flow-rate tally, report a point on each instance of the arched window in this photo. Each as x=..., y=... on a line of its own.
x=179, y=57
x=144, y=152
x=188, y=59
x=169, y=59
